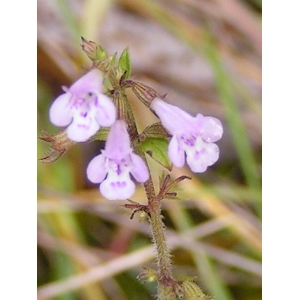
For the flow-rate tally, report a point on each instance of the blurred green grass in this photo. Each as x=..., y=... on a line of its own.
x=88, y=248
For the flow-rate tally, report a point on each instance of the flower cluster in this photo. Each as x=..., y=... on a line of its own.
x=83, y=108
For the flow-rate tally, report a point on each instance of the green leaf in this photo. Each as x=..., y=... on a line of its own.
x=157, y=148
x=125, y=63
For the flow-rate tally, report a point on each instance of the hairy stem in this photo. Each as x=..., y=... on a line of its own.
x=154, y=203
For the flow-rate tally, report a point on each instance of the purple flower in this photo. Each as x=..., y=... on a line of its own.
x=113, y=166
x=191, y=135
x=83, y=107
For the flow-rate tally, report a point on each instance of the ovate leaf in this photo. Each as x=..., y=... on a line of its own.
x=157, y=148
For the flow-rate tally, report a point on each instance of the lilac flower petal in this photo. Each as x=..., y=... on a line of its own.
x=118, y=143
x=198, y=165
x=176, y=153
x=90, y=82
x=60, y=110
x=106, y=111
x=81, y=130
x=117, y=188
x=200, y=160
x=213, y=153
x=211, y=128
x=139, y=169
x=96, y=170
x=173, y=118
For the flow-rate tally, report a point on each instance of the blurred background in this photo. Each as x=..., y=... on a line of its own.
x=206, y=55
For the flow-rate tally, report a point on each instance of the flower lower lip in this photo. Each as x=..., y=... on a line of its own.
x=83, y=126
x=118, y=184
